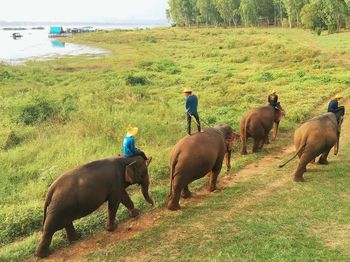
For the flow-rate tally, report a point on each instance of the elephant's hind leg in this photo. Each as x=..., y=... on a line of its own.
x=186, y=193
x=304, y=160
x=174, y=197
x=323, y=158
x=72, y=234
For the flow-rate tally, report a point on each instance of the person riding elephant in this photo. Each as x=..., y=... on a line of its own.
x=334, y=107
x=195, y=156
x=313, y=138
x=129, y=148
x=257, y=124
x=82, y=190
x=272, y=99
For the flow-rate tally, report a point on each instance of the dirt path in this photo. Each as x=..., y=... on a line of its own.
x=132, y=227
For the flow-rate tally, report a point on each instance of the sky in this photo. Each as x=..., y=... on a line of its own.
x=82, y=10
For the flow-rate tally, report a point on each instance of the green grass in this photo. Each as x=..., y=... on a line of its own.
x=58, y=114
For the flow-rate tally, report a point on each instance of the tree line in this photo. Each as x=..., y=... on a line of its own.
x=318, y=15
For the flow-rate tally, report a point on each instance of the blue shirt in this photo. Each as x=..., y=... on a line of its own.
x=129, y=148
x=191, y=104
x=333, y=105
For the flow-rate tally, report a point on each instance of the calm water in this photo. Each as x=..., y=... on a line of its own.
x=35, y=44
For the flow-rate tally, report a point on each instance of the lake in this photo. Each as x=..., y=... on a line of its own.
x=35, y=44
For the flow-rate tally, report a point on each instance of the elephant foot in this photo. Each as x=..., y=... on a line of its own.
x=299, y=179
x=111, y=228
x=186, y=194
x=323, y=161
x=41, y=253
x=243, y=152
x=173, y=207
x=73, y=237
x=134, y=212
x=211, y=188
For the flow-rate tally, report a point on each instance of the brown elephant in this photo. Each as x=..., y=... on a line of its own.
x=257, y=124
x=197, y=155
x=82, y=190
x=313, y=138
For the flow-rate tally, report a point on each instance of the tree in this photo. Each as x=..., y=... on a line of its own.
x=183, y=12
x=293, y=8
x=228, y=10
x=312, y=16
x=207, y=12
x=249, y=12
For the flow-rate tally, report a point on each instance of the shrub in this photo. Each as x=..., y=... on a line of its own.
x=39, y=111
x=12, y=140
x=134, y=80
x=266, y=76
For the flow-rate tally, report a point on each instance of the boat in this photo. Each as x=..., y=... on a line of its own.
x=16, y=35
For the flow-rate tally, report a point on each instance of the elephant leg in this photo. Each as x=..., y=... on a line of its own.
x=127, y=202
x=42, y=249
x=244, y=149
x=113, y=204
x=256, y=145
x=214, y=176
x=228, y=161
x=267, y=141
x=323, y=159
x=186, y=193
x=304, y=160
x=72, y=234
x=174, y=197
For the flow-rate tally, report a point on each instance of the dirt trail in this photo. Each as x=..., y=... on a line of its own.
x=132, y=227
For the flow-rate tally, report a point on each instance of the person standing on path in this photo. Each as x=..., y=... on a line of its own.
x=191, y=105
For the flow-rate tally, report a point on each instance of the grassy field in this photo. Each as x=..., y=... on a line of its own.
x=61, y=113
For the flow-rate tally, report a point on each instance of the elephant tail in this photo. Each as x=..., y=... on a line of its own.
x=243, y=135
x=172, y=169
x=298, y=151
x=47, y=203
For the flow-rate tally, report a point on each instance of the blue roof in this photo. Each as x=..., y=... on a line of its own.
x=56, y=29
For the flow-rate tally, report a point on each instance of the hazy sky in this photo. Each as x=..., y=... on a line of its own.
x=81, y=10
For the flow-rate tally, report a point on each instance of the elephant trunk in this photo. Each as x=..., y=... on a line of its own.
x=145, y=193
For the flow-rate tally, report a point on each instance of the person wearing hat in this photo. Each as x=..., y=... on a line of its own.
x=334, y=108
x=273, y=99
x=191, y=105
x=129, y=148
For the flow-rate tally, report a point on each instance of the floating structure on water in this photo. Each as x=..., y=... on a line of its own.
x=58, y=31
x=16, y=35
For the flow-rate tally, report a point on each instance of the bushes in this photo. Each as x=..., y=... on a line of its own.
x=41, y=109
x=134, y=80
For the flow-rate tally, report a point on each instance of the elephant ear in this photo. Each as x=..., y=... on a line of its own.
x=130, y=172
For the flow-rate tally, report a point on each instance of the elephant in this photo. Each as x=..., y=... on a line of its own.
x=257, y=124
x=197, y=155
x=82, y=190
x=313, y=138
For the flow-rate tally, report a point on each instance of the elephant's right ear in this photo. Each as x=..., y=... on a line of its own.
x=130, y=173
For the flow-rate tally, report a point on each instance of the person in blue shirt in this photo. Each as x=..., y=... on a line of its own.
x=129, y=148
x=191, y=105
x=334, y=107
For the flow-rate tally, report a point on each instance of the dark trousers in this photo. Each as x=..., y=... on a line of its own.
x=196, y=116
x=339, y=112
x=141, y=153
